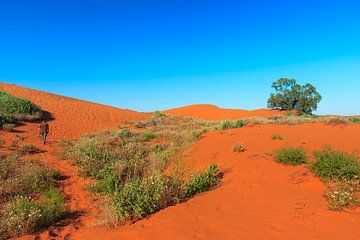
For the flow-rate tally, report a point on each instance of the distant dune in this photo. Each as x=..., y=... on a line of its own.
x=73, y=116
x=211, y=112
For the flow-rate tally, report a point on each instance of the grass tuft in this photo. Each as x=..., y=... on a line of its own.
x=291, y=156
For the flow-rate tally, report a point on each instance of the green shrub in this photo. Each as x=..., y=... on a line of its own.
x=139, y=198
x=227, y=124
x=21, y=216
x=91, y=156
x=277, y=137
x=146, y=137
x=125, y=133
x=202, y=182
x=13, y=105
x=354, y=120
x=291, y=156
x=52, y=208
x=335, y=165
x=239, y=148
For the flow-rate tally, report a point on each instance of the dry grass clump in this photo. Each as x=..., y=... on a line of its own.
x=239, y=147
x=8, y=127
x=296, y=120
x=277, y=137
x=27, y=149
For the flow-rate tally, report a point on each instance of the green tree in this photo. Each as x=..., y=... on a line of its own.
x=290, y=95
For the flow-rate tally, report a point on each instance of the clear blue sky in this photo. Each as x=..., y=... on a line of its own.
x=149, y=55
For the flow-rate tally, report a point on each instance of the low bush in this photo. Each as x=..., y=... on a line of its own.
x=354, y=120
x=239, y=148
x=10, y=105
x=343, y=194
x=202, y=182
x=22, y=216
x=277, y=137
x=146, y=137
x=139, y=198
x=291, y=156
x=18, y=177
x=227, y=124
x=338, y=121
x=27, y=149
x=8, y=127
x=335, y=165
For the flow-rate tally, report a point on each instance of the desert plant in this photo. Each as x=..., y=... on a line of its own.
x=277, y=137
x=138, y=198
x=227, y=124
x=292, y=96
x=146, y=137
x=202, y=182
x=28, y=149
x=338, y=121
x=22, y=216
x=125, y=133
x=19, y=177
x=13, y=105
x=9, y=127
x=354, y=120
x=335, y=165
x=291, y=156
x=343, y=194
x=239, y=147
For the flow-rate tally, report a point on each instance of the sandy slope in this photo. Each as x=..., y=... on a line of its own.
x=73, y=117
x=257, y=199
x=211, y=112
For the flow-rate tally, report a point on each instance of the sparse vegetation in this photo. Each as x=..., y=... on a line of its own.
x=239, y=147
x=22, y=216
x=202, y=182
x=291, y=155
x=292, y=96
x=8, y=127
x=354, y=120
x=29, y=200
x=335, y=165
x=277, y=137
x=343, y=194
x=130, y=168
x=228, y=124
x=27, y=149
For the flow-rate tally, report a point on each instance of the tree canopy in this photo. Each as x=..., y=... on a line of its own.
x=289, y=95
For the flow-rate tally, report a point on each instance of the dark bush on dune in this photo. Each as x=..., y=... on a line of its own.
x=14, y=108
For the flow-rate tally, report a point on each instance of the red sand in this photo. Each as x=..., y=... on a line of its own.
x=257, y=198
x=211, y=112
x=73, y=117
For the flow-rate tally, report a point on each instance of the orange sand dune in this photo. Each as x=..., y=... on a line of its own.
x=257, y=198
x=73, y=117
x=211, y=112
